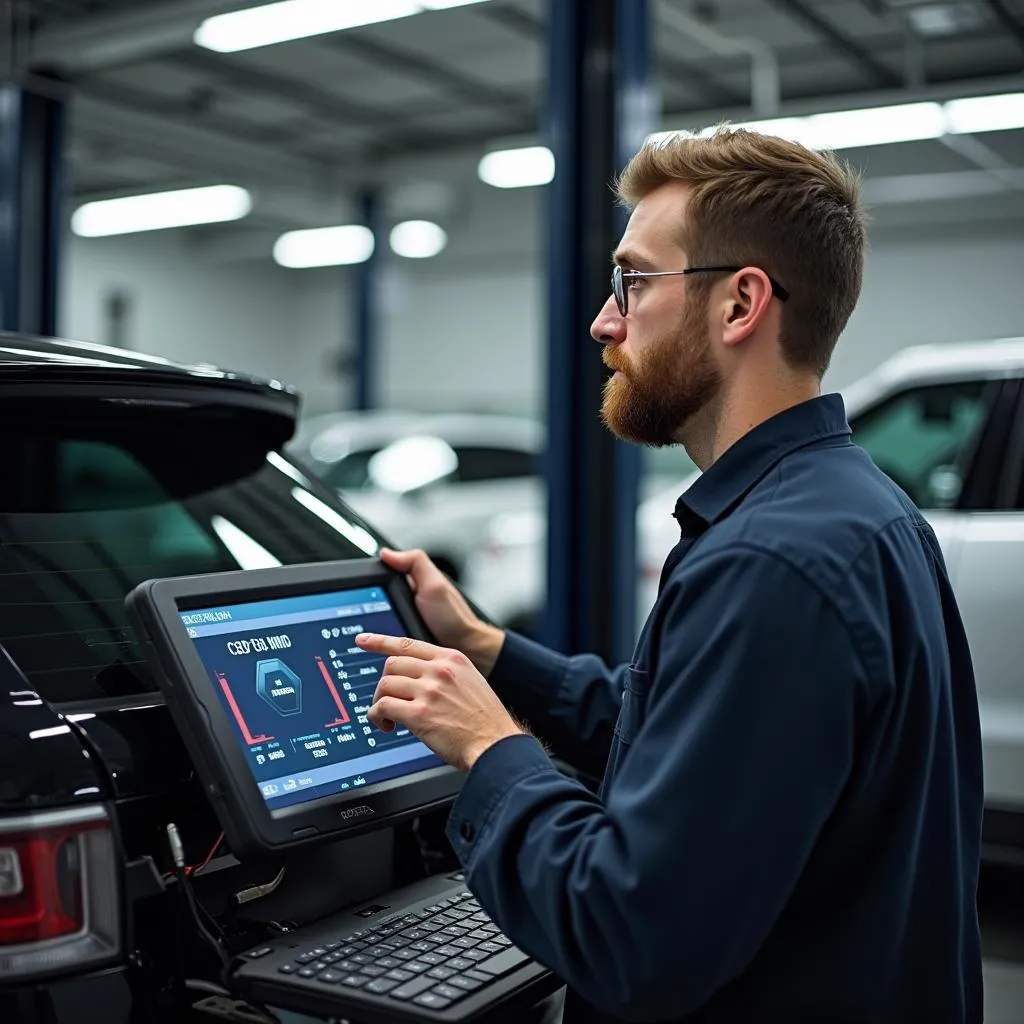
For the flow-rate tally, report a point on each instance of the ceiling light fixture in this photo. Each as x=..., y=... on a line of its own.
x=904, y=122
x=299, y=19
x=517, y=168
x=324, y=247
x=157, y=211
x=418, y=239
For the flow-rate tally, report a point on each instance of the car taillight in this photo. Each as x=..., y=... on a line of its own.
x=59, y=906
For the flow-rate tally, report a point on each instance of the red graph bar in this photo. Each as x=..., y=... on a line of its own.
x=249, y=738
x=344, y=719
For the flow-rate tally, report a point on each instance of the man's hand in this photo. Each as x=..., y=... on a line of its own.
x=445, y=610
x=439, y=696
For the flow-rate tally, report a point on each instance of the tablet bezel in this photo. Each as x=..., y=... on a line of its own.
x=251, y=828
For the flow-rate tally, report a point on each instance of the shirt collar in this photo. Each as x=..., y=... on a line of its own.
x=727, y=481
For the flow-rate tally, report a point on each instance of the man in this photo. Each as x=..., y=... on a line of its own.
x=788, y=826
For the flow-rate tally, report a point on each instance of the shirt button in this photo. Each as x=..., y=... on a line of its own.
x=467, y=831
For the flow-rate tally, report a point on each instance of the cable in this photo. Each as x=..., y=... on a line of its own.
x=209, y=857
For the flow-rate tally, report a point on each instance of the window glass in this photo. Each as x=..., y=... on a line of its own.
x=480, y=463
x=349, y=473
x=923, y=438
x=84, y=519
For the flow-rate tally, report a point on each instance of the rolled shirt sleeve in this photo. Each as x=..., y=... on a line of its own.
x=648, y=901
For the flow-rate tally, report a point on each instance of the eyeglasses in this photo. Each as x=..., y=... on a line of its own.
x=620, y=279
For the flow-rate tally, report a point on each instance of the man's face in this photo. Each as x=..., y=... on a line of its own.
x=661, y=350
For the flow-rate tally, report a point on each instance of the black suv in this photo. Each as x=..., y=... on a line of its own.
x=118, y=468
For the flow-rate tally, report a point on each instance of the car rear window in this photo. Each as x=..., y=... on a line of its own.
x=93, y=503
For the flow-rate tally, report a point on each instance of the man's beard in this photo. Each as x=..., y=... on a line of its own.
x=673, y=379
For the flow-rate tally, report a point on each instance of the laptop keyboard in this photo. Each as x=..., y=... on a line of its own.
x=430, y=958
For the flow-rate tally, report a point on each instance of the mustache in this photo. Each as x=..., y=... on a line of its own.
x=611, y=359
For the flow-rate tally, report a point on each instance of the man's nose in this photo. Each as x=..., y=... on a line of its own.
x=609, y=326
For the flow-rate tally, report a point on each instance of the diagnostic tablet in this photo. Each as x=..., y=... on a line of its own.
x=270, y=693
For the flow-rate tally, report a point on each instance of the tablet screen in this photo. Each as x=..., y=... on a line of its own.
x=296, y=691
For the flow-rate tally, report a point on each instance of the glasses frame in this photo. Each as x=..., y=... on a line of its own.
x=620, y=277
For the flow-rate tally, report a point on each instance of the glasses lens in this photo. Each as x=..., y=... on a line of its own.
x=618, y=291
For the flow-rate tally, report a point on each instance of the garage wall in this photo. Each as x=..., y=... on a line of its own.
x=466, y=329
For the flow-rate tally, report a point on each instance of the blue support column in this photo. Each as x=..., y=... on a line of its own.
x=365, y=305
x=599, y=110
x=31, y=208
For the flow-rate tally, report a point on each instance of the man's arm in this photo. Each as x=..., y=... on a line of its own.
x=570, y=703
x=651, y=901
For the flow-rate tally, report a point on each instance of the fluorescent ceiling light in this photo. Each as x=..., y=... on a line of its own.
x=418, y=239
x=517, y=168
x=299, y=19
x=325, y=247
x=877, y=126
x=985, y=114
x=159, y=210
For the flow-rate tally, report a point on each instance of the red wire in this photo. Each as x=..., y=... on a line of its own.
x=209, y=856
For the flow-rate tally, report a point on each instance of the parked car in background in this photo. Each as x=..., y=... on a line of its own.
x=946, y=423
x=431, y=481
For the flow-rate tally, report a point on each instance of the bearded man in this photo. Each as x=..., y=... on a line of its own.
x=788, y=826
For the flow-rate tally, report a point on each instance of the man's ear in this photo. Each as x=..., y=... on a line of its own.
x=746, y=305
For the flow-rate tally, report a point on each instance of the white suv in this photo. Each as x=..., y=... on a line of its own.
x=946, y=422
x=431, y=481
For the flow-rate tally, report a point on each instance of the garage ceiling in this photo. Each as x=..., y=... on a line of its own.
x=314, y=118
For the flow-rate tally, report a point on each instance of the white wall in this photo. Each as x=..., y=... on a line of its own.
x=466, y=330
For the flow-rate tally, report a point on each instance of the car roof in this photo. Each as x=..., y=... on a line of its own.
x=28, y=350
x=940, y=361
x=339, y=433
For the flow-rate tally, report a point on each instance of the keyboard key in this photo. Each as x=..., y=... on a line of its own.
x=480, y=933
x=330, y=977
x=414, y=934
x=255, y=954
x=447, y=951
x=333, y=958
x=423, y=946
x=349, y=950
x=431, y=958
x=455, y=930
x=459, y=964
x=332, y=946
x=475, y=975
x=319, y=951
x=348, y=966
x=381, y=986
x=465, y=983
x=354, y=981
x=306, y=958
x=503, y=962
x=361, y=958
x=411, y=989
x=373, y=972
x=432, y=1001
x=441, y=973
x=400, y=975
x=406, y=954
x=491, y=947
x=307, y=972
x=378, y=951
x=449, y=993
x=388, y=962
x=465, y=943
x=435, y=908
x=502, y=940
x=416, y=966
x=287, y=969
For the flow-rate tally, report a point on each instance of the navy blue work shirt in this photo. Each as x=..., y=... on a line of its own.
x=788, y=827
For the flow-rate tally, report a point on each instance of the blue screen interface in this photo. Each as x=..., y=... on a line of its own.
x=296, y=689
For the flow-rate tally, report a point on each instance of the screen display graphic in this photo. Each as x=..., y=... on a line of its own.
x=297, y=689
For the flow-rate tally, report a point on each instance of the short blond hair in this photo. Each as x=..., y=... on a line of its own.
x=763, y=201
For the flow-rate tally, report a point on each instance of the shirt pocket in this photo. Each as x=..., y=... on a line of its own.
x=634, y=704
